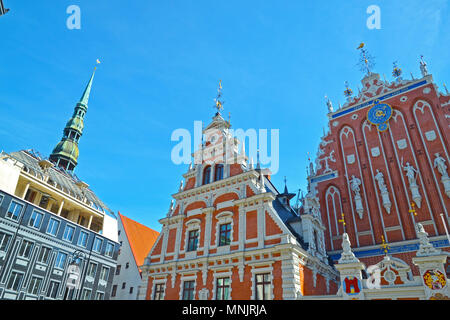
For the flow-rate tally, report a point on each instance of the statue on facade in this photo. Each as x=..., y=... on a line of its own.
x=354, y=185
x=384, y=191
x=439, y=163
x=410, y=173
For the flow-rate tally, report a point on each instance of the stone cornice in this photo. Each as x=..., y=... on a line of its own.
x=216, y=185
x=266, y=196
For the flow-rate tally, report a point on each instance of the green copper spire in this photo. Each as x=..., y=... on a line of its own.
x=85, y=97
x=65, y=154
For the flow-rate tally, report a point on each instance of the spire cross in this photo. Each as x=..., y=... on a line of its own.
x=342, y=221
x=384, y=245
x=412, y=210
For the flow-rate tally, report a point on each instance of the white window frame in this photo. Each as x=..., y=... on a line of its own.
x=157, y=282
x=50, y=285
x=20, y=283
x=185, y=279
x=48, y=256
x=86, y=290
x=59, y=261
x=192, y=225
x=73, y=233
x=20, y=249
x=106, y=249
x=3, y=239
x=101, y=273
x=39, y=287
x=101, y=244
x=50, y=223
x=20, y=213
x=219, y=275
x=224, y=218
x=95, y=269
x=100, y=292
x=37, y=212
x=79, y=238
x=256, y=271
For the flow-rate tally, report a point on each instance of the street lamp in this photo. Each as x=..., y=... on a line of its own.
x=73, y=278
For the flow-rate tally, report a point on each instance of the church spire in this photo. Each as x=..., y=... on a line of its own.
x=65, y=154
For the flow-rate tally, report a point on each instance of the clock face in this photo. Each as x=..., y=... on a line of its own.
x=380, y=114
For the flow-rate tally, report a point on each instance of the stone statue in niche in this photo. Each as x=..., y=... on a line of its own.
x=410, y=173
x=439, y=163
x=384, y=191
x=354, y=185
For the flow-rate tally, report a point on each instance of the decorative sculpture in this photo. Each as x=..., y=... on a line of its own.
x=384, y=191
x=347, y=255
x=439, y=163
x=410, y=173
x=354, y=185
x=425, y=247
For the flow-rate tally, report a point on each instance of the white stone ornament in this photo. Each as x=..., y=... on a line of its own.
x=439, y=163
x=410, y=173
x=354, y=184
x=425, y=247
x=325, y=159
x=383, y=190
x=347, y=255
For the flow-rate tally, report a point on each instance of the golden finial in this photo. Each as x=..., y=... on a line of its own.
x=219, y=103
x=412, y=210
x=384, y=245
x=342, y=221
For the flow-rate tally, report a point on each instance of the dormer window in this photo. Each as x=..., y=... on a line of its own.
x=218, y=173
x=207, y=175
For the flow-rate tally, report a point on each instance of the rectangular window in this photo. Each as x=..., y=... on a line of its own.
x=124, y=284
x=104, y=274
x=159, y=291
x=188, y=290
x=82, y=239
x=25, y=249
x=223, y=289
x=86, y=295
x=53, y=226
x=44, y=254
x=14, y=211
x=97, y=245
x=92, y=269
x=4, y=241
x=53, y=289
x=114, y=290
x=36, y=219
x=15, y=280
x=192, y=240
x=131, y=290
x=109, y=249
x=68, y=233
x=225, y=234
x=34, y=286
x=118, y=269
x=263, y=286
x=99, y=296
x=60, y=260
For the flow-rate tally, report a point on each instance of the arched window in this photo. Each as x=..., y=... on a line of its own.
x=218, y=174
x=207, y=175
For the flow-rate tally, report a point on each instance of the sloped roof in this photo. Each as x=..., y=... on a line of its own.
x=60, y=179
x=140, y=238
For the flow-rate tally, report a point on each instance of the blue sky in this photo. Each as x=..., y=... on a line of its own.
x=161, y=62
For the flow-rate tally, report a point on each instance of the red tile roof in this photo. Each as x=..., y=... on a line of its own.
x=140, y=237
